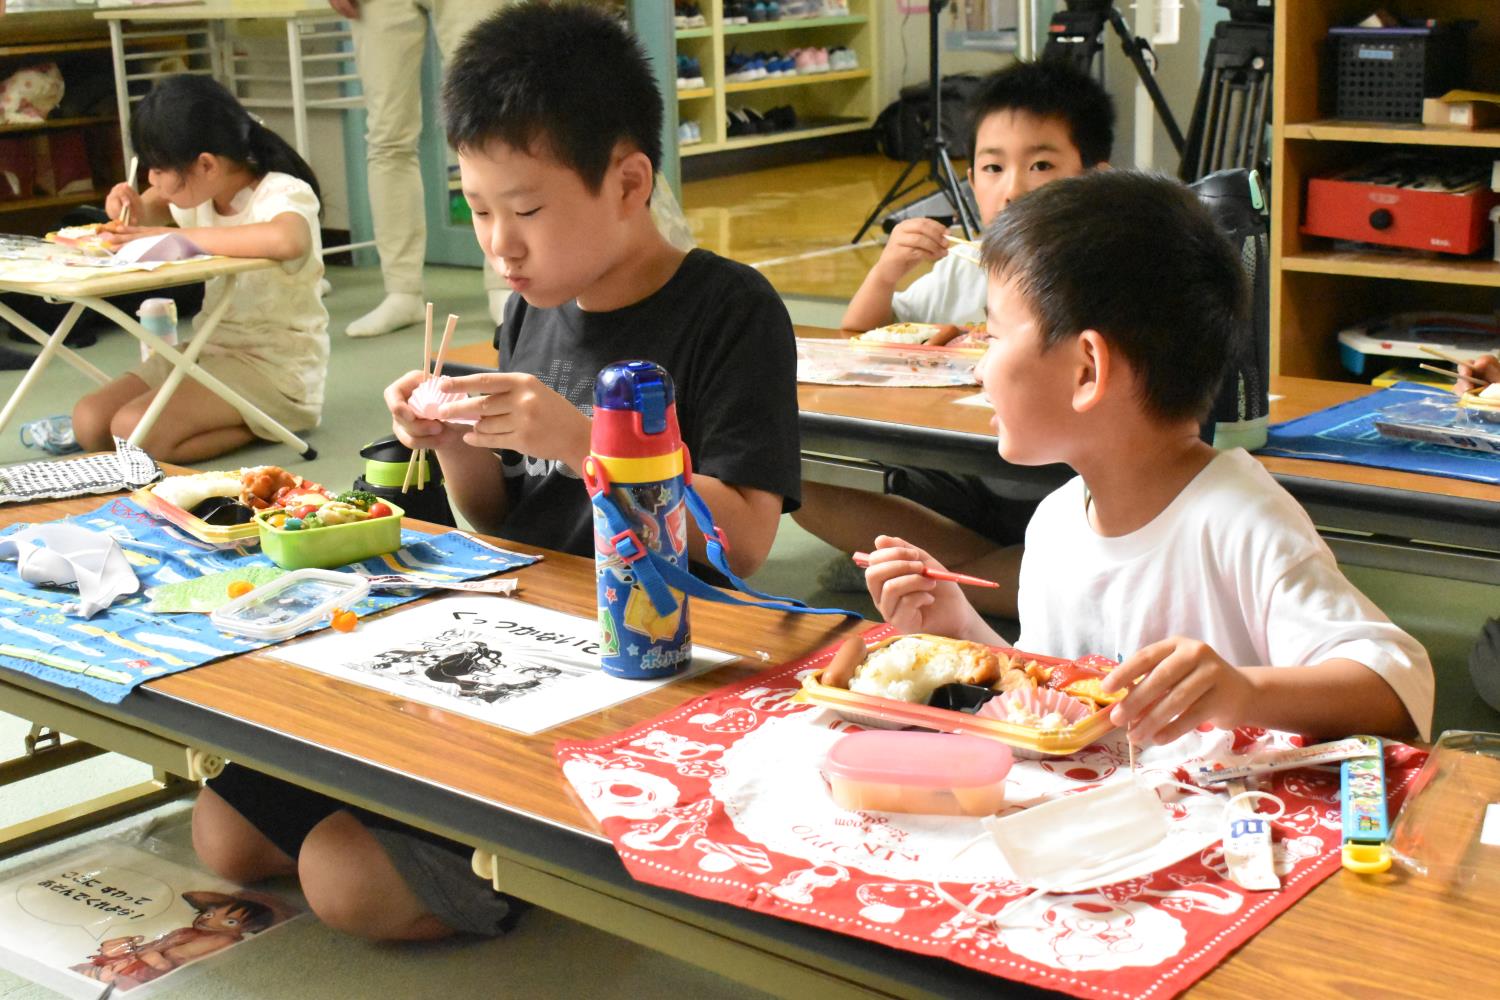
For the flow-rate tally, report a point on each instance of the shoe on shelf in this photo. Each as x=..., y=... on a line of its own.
x=841, y=59
x=783, y=118
x=757, y=12
x=839, y=575
x=694, y=15
x=739, y=123
x=54, y=435
x=773, y=10
x=736, y=13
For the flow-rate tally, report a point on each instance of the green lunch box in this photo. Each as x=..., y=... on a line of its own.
x=333, y=544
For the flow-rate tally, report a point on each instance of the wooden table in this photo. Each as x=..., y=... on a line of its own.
x=93, y=292
x=1406, y=521
x=503, y=793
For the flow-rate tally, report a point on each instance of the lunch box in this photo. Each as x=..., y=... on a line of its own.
x=332, y=544
x=931, y=773
x=232, y=536
x=888, y=713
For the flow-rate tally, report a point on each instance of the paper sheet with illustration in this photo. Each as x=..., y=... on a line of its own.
x=504, y=662
x=117, y=918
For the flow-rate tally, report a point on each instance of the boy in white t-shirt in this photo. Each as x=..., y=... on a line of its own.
x=1193, y=566
x=1033, y=123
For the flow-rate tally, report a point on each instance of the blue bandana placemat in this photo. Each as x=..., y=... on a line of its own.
x=1346, y=433
x=108, y=655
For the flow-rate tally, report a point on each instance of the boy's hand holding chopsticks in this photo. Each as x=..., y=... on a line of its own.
x=517, y=412
x=1472, y=373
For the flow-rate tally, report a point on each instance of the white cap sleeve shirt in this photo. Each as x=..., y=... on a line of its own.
x=953, y=291
x=275, y=323
x=1233, y=561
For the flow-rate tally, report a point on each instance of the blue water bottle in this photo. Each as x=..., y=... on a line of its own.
x=635, y=475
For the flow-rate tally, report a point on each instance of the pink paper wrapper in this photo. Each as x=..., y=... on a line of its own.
x=1025, y=707
x=427, y=399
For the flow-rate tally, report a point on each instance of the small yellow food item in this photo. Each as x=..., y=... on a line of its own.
x=239, y=588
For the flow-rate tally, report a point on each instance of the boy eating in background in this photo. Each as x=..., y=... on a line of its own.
x=1195, y=565
x=1033, y=123
x=557, y=122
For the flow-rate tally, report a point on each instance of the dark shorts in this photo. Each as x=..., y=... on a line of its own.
x=436, y=869
x=971, y=502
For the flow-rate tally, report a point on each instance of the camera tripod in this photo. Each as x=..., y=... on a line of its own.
x=1228, y=126
x=940, y=170
x=1077, y=36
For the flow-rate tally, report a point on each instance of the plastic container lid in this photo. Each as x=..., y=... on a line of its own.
x=290, y=604
x=930, y=760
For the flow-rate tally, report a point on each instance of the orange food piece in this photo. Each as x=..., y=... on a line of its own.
x=239, y=588
x=343, y=621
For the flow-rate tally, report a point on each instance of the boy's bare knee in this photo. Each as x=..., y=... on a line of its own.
x=231, y=846
x=351, y=884
x=91, y=425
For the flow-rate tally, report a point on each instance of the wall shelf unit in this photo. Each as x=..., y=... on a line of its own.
x=828, y=103
x=1316, y=288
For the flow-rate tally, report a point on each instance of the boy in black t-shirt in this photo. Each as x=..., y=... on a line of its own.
x=556, y=119
x=557, y=157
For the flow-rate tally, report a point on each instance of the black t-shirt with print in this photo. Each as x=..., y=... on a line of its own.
x=720, y=331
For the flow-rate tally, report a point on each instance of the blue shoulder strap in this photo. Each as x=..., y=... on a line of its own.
x=657, y=576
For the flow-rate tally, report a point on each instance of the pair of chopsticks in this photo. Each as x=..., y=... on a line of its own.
x=129, y=179
x=972, y=244
x=862, y=560
x=1447, y=372
x=416, y=465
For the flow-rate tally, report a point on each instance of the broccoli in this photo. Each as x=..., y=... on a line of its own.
x=358, y=498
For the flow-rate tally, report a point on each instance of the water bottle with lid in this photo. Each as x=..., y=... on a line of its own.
x=158, y=316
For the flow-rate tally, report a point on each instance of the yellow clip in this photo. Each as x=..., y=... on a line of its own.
x=1367, y=859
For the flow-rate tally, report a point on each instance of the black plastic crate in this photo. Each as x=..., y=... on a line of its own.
x=1384, y=73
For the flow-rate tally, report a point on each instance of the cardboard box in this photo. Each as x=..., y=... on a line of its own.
x=1462, y=109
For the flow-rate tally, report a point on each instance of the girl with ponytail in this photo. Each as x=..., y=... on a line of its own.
x=234, y=188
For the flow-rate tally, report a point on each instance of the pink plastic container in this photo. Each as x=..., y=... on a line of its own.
x=934, y=773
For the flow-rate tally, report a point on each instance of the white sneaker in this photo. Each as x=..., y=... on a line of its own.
x=396, y=310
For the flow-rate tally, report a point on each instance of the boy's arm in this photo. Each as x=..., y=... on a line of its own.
x=913, y=242
x=747, y=516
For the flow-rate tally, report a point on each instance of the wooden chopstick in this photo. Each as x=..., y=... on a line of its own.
x=1438, y=353
x=416, y=463
x=1445, y=372
x=961, y=242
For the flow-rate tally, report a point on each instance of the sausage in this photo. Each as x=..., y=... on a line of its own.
x=840, y=670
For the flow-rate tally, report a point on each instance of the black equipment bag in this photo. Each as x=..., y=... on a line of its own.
x=901, y=130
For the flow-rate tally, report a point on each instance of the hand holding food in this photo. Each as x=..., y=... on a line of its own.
x=1182, y=684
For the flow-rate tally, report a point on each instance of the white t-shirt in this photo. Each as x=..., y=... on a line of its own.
x=952, y=292
x=1232, y=561
x=275, y=321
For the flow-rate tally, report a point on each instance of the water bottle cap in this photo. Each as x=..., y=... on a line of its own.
x=642, y=387
x=157, y=307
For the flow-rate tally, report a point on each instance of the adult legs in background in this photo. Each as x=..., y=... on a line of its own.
x=849, y=520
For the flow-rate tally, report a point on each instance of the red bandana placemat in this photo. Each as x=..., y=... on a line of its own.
x=722, y=798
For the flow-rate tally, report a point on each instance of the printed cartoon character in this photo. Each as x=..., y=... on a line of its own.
x=888, y=902
x=1091, y=934
x=731, y=720
x=671, y=748
x=799, y=886
x=677, y=526
x=222, y=920
x=620, y=790
x=723, y=857
x=641, y=615
x=672, y=830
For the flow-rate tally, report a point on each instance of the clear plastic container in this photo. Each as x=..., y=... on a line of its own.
x=932, y=773
x=848, y=362
x=289, y=604
x=1448, y=829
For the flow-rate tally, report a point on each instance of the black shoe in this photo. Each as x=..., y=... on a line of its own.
x=14, y=361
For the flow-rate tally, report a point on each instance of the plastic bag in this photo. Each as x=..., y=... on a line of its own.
x=1448, y=829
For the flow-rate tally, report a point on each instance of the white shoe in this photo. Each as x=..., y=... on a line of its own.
x=498, y=297
x=396, y=310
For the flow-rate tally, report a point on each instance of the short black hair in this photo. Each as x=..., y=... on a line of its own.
x=563, y=77
x=1050, y=89
x=1137, y=257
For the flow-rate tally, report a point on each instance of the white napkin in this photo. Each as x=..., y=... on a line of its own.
x=61, y=554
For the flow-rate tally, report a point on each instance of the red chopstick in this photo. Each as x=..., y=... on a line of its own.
x=862, y=560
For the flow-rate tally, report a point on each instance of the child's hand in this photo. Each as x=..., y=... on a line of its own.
x=1184, y=683
x=123, y=196
x=913, y=242
x=411, y=430
x=913, y=602
x=1478, y=373
x=518, y=412
x=114, y=239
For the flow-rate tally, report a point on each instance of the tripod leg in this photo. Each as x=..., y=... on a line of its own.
x=964, y=212
x=893, y=194
x=1262, y=112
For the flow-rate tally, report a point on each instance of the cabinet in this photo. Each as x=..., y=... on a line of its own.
x=826, y=103
x=1315, y=289
x=80, y=139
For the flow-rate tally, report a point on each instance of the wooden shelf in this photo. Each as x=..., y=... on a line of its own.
x=695, y=93
x=50, y=48
x=777, y=82
x=52, y=201
x=793, y=24
x=56, y=123
x=1455, y=271
x=1415, y=134
x=767, y=138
